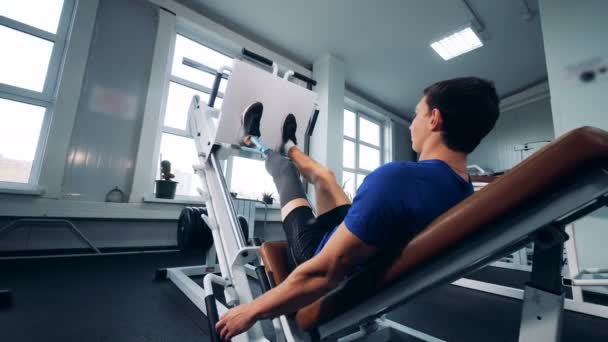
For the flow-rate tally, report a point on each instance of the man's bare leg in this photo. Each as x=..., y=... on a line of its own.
x=328, y=194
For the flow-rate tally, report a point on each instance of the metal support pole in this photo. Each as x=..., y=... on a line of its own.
x=543, y=306
x=547, y=260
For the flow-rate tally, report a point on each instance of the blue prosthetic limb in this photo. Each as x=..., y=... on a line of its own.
x=258, y=144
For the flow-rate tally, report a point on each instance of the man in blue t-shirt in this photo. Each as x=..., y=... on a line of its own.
x=394, y=203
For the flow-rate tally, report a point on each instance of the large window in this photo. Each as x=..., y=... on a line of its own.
x=362, y=149
x=32, y=34
x=185, y=81
x=247, y=177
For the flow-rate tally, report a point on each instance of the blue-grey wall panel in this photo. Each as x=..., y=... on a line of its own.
x=272, y=232
x=102, y=233
x=106, y=132
x=402, y=143
x=532, y=122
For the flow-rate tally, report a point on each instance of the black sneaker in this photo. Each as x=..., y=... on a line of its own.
x=288, y=132
x=250, y=122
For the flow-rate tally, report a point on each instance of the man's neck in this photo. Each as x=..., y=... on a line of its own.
x=456, y=160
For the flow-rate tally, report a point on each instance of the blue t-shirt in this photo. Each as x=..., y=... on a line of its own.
x=399, y=199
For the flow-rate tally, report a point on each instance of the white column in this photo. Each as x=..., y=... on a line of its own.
x=149, y=141
x=68, y=94
x=326, y=141
x=574, y=34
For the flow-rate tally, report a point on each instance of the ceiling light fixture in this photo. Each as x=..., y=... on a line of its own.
x=457, y=43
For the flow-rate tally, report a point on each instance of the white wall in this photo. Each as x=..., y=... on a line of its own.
x=528, y=123
x=106, y=131
x=574, y=34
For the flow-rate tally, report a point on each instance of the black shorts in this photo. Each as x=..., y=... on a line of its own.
x=304, y=232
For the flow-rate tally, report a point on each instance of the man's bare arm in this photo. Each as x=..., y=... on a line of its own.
x=305, y=284
x=317, y=276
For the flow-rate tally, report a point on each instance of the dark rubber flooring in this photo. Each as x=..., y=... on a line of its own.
x=114, y=298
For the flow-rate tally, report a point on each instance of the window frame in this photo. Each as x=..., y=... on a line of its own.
x=227, y=165
x=357, y=170
x=165, y=96
x=186, y=83
x=48, y=96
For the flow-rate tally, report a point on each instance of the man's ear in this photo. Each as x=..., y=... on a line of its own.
x=436, y=122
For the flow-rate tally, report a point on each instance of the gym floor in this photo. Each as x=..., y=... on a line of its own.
x=114, y=298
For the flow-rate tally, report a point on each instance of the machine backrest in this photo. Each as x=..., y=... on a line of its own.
x=541, y=172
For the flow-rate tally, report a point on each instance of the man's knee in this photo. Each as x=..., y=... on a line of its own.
x=325, y=178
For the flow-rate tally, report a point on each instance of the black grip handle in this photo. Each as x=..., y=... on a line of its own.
x=212, y=317
x=263, y=278
x=215, y=89
x=255, y=56
x=255, y=241
x=311, y=123
x=305, y=79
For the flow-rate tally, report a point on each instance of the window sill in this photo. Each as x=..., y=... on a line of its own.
x=272, y=215
x=24, y=191
x=259, y=205
x=152, y=199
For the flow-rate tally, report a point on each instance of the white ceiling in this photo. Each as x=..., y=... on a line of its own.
x=385, y=43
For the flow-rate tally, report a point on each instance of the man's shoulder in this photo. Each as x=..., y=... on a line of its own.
x=397, y=165
x=392, y=174
x=395, y=168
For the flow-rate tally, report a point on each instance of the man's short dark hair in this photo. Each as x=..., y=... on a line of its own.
x=469, y=107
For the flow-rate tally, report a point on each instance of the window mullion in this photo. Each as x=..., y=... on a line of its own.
x=175, y=131
x=13, y=93
x=357, y=141
x=25, y=28
x=376, y=147
x=37, y=162
x=52, y=74
x=193, y=85
x=382, y=143
x=370, y=118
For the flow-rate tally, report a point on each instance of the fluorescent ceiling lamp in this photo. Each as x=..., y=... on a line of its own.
x=456, y=44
